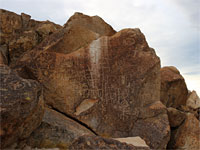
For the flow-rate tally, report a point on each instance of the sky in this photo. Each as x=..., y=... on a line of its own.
x=171, y=27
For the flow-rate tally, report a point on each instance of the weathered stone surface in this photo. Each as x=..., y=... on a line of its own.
x=173, y=88
x=94, y=24
x=193, y=100
x=187, y=136
x=98, y=143
x=79, y=31
x=21, y=34
x=176, y=117
x=109, y=85
x=56, y=130
x=21, y=106
x=136, y=141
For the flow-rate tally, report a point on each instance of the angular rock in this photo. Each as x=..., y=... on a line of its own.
x=176, y=117
x=107, y=85
x=98, y=143
x=21, y=108
x=56, y=131
x=21, y=33
x=94, y=24
x=79, y=31
x=187, y=136
x=193, y=100
x=173, y=88
x=136, y=141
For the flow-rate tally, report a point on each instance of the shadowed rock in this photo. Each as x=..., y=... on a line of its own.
x=21, y=108
x=98, y=143
x=56, y=130
x=173, y=88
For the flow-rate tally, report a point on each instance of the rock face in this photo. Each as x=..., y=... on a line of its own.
x=19, y=33
x=79, y=31
x=110, y=85
x=187, y=136
x=173, y=88
x=56, y=131
x=94, y=24
x=21, y=108
x=96, y=142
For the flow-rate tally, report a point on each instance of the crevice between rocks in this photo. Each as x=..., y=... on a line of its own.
x=74, y=119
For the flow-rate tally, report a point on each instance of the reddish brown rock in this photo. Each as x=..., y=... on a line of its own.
x=56, y=130
x=21, y=107
x=79, y=31
x=187, y=136
x=94, y=24
x=173, y=88
x=96, y=142
x=21, y=34
x=176, y=117
x=108, y=85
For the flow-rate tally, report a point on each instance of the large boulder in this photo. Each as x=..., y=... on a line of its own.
x=112, y=85
x=94, y=24
x=79, y=31
x=187, y=136
x=20, y=33
x=173, y=88
x=56, y=131
x=21, y=107
x=99, y=143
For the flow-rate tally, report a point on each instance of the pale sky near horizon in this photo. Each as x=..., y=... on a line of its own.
x=171, y=27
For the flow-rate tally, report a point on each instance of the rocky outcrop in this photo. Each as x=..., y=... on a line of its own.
x=110, y=85
x=20, y=33
x=187, y=136
x=21, y=108
x=173, y=88
x=96, y=142
x=56, y=131
x=79, y=31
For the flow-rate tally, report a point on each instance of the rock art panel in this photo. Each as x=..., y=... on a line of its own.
x=108, y=85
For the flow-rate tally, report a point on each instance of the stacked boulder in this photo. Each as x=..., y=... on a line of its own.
x=183, y=110
x=101, y=88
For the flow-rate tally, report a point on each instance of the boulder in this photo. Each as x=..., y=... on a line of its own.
x=79, y=31
x=98, y=143
x=173, y=88
x=56, y=131
x=94, y=24
x=176, y=117
x=193, y=101
x=110, y=85
x=20, y=33
x=187, y=136
x=21, y=108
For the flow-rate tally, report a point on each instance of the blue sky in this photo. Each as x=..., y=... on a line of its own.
x=171, y=27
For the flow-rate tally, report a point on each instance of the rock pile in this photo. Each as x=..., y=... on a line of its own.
x=101, y=88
